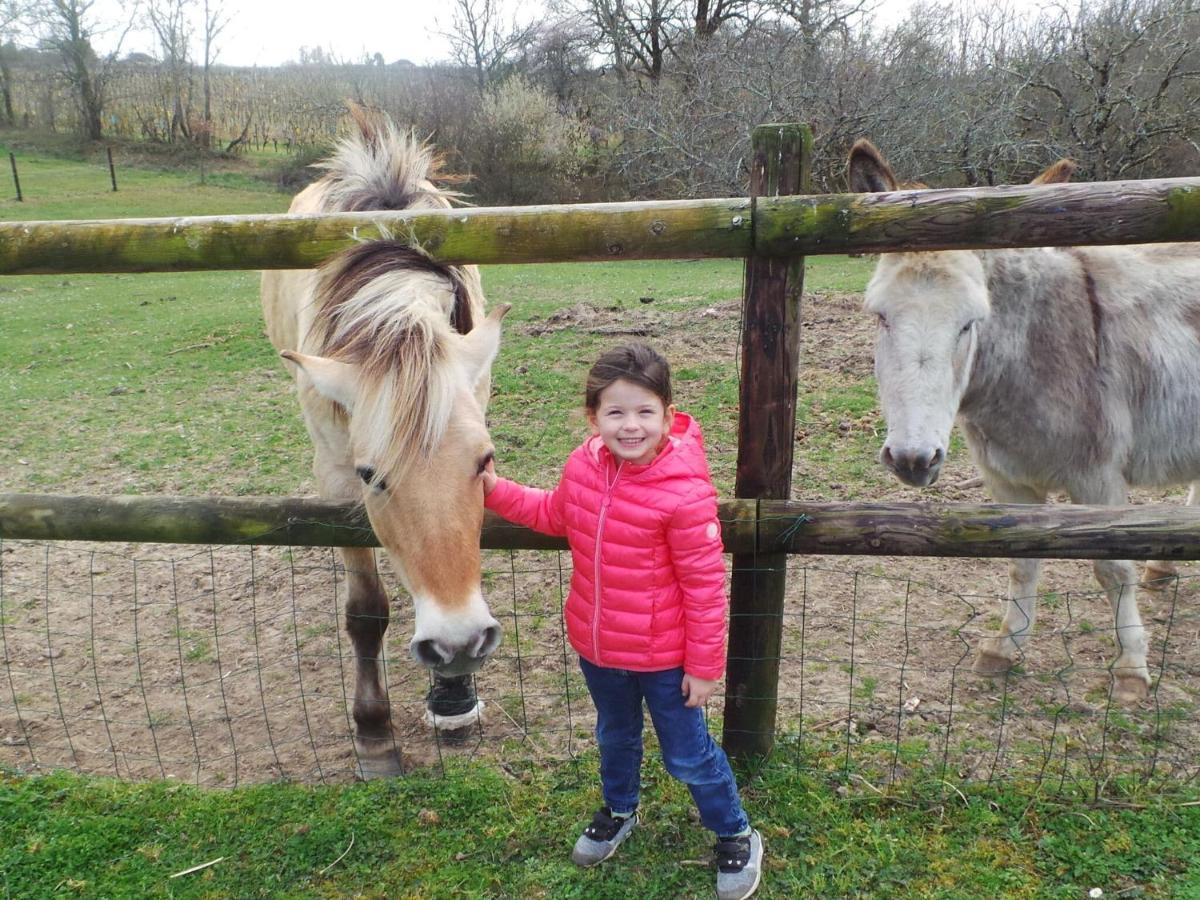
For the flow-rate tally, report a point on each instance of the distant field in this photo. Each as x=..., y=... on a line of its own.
x=165, y=382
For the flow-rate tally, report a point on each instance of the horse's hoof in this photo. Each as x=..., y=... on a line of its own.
x=378, y=759
x=1130, y=689
x=373, y=768
x=987, y=663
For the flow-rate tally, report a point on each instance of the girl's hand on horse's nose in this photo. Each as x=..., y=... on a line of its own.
x=489, y=477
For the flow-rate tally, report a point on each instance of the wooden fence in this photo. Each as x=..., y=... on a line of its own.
x=772, y=229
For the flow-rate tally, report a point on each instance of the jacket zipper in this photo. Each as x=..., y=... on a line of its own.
x=605, y=504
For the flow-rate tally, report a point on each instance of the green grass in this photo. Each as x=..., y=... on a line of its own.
x=477, y=832
x=69, y=189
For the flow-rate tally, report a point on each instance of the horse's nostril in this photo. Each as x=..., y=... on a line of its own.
x=487, y=642
x=431, y=654
x=938, y=455
x=886, y=456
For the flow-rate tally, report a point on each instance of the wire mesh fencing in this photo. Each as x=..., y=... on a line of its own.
x=228, y=665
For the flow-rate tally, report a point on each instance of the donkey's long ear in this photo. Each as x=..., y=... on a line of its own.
x=336, y=381
x=869, y=171
x=479, y=348
x=1059, y=173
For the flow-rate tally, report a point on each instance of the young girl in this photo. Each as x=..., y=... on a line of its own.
x=646, y=610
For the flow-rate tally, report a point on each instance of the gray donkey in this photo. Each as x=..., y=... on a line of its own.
x=1069, y=369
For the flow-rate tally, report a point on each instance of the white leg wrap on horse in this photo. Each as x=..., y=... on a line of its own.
x=452, y=723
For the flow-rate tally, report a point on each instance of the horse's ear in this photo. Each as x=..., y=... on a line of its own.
x=1059, y=173
x=479, y=347
x=869, y=171
x=336, y=381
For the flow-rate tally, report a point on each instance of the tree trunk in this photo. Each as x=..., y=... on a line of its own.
x=6, y=108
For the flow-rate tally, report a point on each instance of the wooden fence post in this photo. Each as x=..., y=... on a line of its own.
x=16, y=178
x=112, y=170
x=770, y=353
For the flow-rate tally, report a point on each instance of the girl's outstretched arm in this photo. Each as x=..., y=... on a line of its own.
x=531, y=507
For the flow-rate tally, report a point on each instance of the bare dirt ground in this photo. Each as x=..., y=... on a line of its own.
x=227, y=665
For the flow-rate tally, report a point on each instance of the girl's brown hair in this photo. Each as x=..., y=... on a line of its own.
x=635, y=363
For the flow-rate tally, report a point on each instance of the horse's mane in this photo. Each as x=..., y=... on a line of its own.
x=386, y=306
x=379, y=167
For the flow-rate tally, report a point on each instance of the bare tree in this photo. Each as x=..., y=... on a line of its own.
x=710, y=15
x=169, y=21
x=1115, y=84
x=67, y=27
x=485, y=40
x=638, y=35
x=12, y=17
x=817, y=18
x=559, y=57
x=215, y=20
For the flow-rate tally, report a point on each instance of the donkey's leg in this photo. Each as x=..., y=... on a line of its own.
x=1160, y=574
x=1118, y=577
x=998, y=654
x=1131, y=677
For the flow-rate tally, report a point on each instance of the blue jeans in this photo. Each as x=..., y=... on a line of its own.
x=689, y=752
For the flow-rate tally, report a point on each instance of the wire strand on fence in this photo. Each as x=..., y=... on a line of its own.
x=224, y=666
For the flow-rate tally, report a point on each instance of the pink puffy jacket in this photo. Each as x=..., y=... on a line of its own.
x=648, y=590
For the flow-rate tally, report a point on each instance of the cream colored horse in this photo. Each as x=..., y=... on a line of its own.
x=1069, y=369
x=392, y=360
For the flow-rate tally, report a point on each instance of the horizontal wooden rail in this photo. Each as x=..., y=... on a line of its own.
x=1115, y=212
x=891, y=529
x=1105, y=212
x=667, y=229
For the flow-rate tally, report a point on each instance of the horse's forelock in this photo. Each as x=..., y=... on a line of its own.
x=401, y=418
x=390, y=310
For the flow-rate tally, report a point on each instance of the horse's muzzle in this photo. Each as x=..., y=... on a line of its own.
x=919, y=468
x=464, y=660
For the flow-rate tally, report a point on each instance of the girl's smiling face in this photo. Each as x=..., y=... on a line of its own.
x=631, y=421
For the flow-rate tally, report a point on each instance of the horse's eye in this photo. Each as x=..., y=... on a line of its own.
x=483, y=462
x=367, y=474
x=966, y=328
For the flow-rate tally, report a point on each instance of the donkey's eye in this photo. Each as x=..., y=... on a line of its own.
x=367, y=474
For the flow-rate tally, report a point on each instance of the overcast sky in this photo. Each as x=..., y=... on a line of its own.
x=270, y=32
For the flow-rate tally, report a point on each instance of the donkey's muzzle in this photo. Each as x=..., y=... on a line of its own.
x=920, y=468
x=461, y=660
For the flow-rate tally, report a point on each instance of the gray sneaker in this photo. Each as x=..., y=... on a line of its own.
x=739, y=866
x=602, y=837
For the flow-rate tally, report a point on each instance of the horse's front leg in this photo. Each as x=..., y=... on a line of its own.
x=366, y=623
x=1001, y=652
